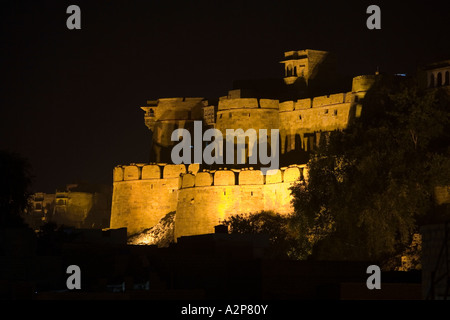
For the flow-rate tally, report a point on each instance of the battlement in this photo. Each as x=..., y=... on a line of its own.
x=247, y=103
x=152, y=171
x=363, y=82
x=241, y=177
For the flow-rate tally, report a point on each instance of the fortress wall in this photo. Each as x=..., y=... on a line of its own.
x=118, y=174
x=286, y=106
x=303, y=104
x=350, y=97
x=307, y=121
x=203, y=179
x=238, y=103
x=291, y=174
x=173, y=170
x=132, y=173
x=328, y=100
x=268, y=104
x=274, y=178
x=251, y=177
x=140, y=203
x=188, y=180
x=151, y=172
x=363, y=83
x=200, y=208
x=224, y=178
x=247, y=119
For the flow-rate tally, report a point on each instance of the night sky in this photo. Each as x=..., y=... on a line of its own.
x=70, y=99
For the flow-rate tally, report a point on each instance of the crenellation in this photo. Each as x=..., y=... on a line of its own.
x=118, y=173
x=328, y=100
x=224, y=178
x=151, y=171
x=274, y=177
x=291, y=174
x=188, y=180
x=303, y=104
x=203, y=179
x=251, y=177
x=173, y=170
x=132, y=173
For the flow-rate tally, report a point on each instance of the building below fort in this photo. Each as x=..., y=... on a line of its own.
x=76, y=205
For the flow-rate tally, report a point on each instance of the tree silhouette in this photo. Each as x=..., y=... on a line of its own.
x=14, y=188
x=371, y=185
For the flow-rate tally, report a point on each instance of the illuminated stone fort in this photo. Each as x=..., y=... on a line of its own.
x=201, y=195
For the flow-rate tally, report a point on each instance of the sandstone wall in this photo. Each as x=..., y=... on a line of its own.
x=142, y=195
x=214, y=196
x=246, y=114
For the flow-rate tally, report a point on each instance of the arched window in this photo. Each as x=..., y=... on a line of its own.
x=447, y=78
x=432, y=81
x=439, y=79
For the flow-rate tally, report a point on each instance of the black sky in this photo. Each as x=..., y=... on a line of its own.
x=70, y=99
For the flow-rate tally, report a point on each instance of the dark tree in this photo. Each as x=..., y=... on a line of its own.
x=372, y=185
x=282, y=232
x=14, y=188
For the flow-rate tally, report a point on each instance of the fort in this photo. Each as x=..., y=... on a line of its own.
x=204, y=195
x=304, y=106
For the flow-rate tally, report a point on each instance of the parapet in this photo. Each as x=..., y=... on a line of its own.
x=247, y=103
x=224, y=178
x=149, y=171
x=242, y=177
x=328, y=100
x=363, y=83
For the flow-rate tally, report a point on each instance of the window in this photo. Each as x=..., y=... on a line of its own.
x=447, y=78
x=220, y=117
x=224, y=192
x=335, y=112
x=439, y=80
x=230, y=114
x=300, y=117
x=252, y=193
x=326, y=111
x=432, y=81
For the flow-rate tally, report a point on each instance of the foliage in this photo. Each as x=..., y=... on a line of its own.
x=371, y=185
x=282, y=232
